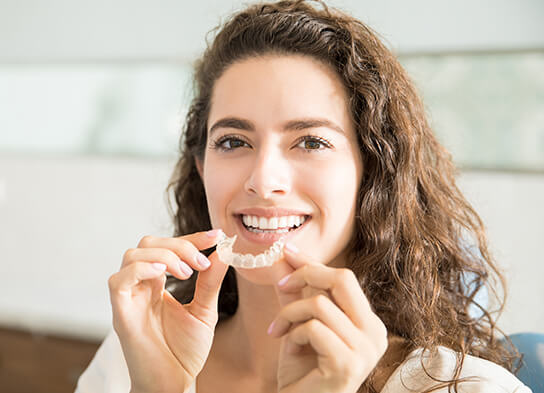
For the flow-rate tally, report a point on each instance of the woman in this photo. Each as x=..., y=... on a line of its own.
x=303, y=120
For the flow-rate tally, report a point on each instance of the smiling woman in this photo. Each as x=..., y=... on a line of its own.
x=305, y=128
x=285, y=106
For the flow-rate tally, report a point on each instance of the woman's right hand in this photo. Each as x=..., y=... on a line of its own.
x=166, y=343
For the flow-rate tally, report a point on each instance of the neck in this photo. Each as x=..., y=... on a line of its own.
x=253, y=354
x=251, y=349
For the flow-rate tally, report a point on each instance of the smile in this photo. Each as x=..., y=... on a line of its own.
x=266, y=230
x=280, y=224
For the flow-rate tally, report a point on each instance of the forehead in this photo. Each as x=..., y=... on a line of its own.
x=273, y=89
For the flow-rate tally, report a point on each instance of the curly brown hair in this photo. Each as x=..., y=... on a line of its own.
x=414, y=230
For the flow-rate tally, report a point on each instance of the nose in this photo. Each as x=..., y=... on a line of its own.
x=269, y=176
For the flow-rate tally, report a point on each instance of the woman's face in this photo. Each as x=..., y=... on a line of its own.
x=282, y=149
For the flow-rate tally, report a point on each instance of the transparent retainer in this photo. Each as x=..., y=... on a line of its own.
x=248, y=261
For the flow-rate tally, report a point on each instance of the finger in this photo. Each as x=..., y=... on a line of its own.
x=331, y=351
x=185, y=247
x=208, y=285
x=174, y=264
x=340, y=283
x=318, y=307
x=293, y=260
x=201, y=240
x=122, y=282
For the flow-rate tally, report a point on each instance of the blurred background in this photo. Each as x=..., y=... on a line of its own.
x=92, y=99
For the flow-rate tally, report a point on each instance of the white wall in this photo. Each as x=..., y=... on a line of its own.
x=510, y=206
x=65, y=224
x=68, y=30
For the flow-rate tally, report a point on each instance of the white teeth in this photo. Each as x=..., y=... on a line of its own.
x=290, y=221
x=246, y=220
x=273, y=223
x=256, y=230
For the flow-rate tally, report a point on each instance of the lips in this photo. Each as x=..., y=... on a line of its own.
x=271, y=212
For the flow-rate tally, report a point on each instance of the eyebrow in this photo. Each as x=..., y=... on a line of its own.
x=291, y=125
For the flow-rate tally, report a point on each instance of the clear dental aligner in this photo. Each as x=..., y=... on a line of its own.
x=248, y=261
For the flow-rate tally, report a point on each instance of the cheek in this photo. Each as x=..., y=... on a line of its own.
x=216, y=188
x=221, y=182
x=334, y=186
x=334, y=192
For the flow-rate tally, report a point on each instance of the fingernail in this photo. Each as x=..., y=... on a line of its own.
x=284, y=280
x=291, y=248
x=185, y=269
x=159, y=266
x=270, y=328
x=214, y=232
x=203, y=261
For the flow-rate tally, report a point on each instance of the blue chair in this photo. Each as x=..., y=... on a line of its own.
x=531, y=372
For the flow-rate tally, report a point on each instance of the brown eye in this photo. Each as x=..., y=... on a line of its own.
x=312, y=143
x=229, y=143
x=234, y=143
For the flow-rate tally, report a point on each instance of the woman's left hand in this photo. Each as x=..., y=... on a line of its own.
x=331, y=338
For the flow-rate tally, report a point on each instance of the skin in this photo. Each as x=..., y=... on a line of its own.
x=274, y=168
x=314, y=332
x=271, y=167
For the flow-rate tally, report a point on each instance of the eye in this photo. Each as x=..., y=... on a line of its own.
x=228, y=143
x=314, y=143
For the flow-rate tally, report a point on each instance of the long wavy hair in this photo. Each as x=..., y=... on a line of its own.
x=418, y=248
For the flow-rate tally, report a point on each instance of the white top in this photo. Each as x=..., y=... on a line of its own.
x=108, y=373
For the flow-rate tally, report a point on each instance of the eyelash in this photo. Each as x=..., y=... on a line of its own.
x=218, y=144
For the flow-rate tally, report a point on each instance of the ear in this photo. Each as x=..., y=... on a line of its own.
x=199, y=165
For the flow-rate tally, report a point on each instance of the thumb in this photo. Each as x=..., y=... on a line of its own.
x=208, y=285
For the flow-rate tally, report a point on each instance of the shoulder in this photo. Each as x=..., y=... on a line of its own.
x=416, y=374
x=107, y=372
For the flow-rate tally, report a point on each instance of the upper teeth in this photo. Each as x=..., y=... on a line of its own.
x=273, y=222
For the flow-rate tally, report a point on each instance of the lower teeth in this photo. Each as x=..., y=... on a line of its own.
x=255, y=230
